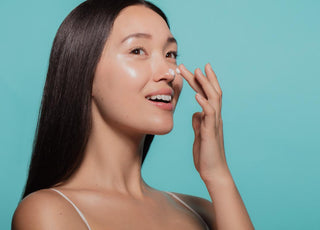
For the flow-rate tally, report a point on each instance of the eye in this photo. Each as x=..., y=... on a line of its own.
x=137, y=51
x=173, y=54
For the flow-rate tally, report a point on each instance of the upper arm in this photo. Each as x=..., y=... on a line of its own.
x=45, y=210
x=202, y=206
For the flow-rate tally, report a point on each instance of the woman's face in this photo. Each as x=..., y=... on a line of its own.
x=132, y=68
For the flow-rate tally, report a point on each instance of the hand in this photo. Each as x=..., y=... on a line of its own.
x=208, y=147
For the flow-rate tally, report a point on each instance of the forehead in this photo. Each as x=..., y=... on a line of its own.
x=138, y=18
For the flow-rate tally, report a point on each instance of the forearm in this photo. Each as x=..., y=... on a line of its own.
x=229, y=209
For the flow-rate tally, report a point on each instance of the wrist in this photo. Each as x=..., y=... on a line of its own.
x=218, y=178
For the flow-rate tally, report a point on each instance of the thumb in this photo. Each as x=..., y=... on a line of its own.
x=196, y=122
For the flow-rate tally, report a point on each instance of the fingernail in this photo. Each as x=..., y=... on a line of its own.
x=199, y=96
x=177, y=70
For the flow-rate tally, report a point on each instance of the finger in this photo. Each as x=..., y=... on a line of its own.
x=213, y=97
x=213, y=78
x=209, y=112
x=186, y=74
x=196, y=121
x=207, y=87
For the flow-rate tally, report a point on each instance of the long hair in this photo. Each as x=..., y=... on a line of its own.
x=64, y=120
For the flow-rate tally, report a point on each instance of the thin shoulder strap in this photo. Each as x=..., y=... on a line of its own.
x=191, y=209
x=75, y=207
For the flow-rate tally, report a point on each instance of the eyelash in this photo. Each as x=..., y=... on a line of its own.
x=175, y=54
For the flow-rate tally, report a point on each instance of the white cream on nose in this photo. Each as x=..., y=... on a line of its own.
x=171, y=71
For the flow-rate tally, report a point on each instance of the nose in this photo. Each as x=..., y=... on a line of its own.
x=164, y=71
x=171, y=73
x=167, y=74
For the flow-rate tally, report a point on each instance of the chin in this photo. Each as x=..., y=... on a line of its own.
x=161, y=132
x=161, y=128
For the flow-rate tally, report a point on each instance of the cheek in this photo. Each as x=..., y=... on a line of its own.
x=128, y=73
x=118, y=85
x=120, y=76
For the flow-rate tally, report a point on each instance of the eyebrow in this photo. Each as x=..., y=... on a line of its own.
x=149, y=36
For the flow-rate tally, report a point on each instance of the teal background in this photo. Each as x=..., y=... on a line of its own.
x=266, y=57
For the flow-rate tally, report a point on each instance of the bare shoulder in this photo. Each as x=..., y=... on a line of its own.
x=45, y=209
x=201, y=205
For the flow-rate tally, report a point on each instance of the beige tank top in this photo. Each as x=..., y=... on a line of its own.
x=88, y=226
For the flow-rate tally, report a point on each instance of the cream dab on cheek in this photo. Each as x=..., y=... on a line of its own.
x=132, y=72
x=128, y=67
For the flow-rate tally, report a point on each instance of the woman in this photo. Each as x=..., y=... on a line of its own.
x=110, y=87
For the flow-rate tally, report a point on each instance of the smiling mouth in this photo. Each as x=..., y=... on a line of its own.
x=164, y=104
x=160, y=101
x=160, y=98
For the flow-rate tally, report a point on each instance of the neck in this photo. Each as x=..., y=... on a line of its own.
x=112, y=161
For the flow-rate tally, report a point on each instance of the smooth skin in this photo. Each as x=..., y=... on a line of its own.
x=208, y=151
x=108, y=187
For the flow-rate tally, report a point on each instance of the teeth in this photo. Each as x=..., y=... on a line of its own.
x=160, y=97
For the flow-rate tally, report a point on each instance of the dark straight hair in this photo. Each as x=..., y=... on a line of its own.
x=64, y=121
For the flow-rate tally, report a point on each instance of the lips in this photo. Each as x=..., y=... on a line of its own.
x=162, y=105
x=163, y=91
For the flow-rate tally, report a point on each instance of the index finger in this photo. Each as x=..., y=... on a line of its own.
x=186, y=74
